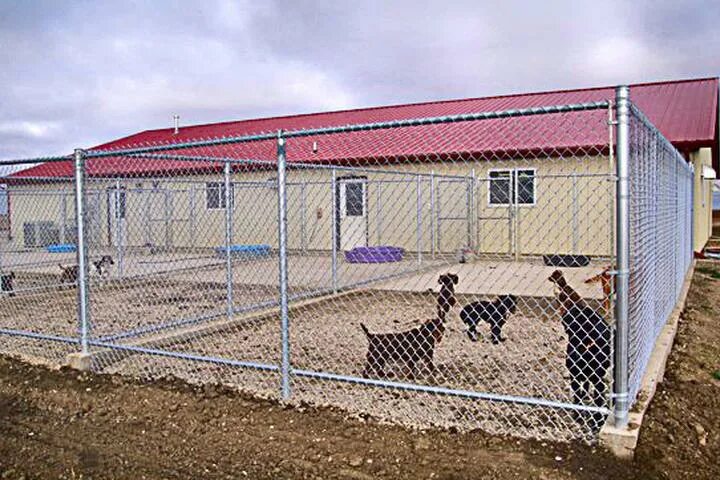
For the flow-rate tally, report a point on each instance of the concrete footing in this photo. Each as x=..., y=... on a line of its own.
x=623, y=441
x=79, y=361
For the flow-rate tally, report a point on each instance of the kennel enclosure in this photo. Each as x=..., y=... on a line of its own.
x=230, y=259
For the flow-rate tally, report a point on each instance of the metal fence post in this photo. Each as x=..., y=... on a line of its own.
x=334, y=233
x=516, y=215
x=228, y=239
x=63, y=218
x=575, y=226
x=283, y=267
x=191, y=215
x=118, y=229
x=471, y=210
x=692, y=212
x=432, y=213
x=378, y=210
x=622, y=105
x=678, y=232
x=81, y=251
x=303, y=218
x=418, y=232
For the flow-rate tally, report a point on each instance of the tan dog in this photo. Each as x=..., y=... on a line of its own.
x=607, y=281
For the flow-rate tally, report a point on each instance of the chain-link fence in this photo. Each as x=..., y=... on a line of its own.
x=451, y=271
x=661, y=225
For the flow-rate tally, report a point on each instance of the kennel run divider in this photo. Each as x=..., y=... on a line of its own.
x=417, y=185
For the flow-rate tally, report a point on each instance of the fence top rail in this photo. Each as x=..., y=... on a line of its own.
x=412, y=122
x=295, y=166
x=637, y=113
x=31, y=161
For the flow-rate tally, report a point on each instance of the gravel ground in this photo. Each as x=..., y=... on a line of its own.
x=117, y=306
x=326, y=337
x=67, y=425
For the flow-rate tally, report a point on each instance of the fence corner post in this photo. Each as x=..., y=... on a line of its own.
x=81, y=251
x=283, y=267
x=622, y=239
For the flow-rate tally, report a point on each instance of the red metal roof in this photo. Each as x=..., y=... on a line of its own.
x=685, y=111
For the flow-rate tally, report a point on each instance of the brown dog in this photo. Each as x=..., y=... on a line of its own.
x=566, y=295
x=411, y=346
x=68, y=275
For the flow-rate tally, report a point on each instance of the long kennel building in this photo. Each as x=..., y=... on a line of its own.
x=499, y=186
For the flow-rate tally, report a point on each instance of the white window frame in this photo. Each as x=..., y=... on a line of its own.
x=220, y=186
x=513, y=173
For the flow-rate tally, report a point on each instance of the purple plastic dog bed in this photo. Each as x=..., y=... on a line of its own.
x=378, y=254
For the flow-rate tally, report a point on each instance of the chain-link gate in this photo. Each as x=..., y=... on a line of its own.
x=453, y=271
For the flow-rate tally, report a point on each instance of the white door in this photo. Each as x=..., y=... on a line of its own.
x=117, y=203
x=352, y=212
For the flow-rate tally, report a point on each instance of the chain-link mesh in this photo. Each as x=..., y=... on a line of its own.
x=445, y=272
x=661, y=224
x=38, y=316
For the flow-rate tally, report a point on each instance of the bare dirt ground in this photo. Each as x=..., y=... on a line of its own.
x=62, y=424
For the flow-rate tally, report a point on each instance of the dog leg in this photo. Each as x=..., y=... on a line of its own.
x=370, y=364
x=497, y=337
x=578, y=392
x=472, y=334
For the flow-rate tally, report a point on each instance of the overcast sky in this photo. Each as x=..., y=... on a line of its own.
x=76, y=74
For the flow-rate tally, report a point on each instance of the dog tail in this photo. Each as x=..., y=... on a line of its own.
x=365, y=329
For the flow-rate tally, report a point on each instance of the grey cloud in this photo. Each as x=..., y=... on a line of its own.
x=96, y=71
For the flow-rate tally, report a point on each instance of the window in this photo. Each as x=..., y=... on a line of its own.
x=3, y=200
x=502, y=187
x=215, y=195
x=121, y=202
x=526, y=187
x=354, y=204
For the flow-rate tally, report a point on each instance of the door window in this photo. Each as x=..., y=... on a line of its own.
x=354, y=199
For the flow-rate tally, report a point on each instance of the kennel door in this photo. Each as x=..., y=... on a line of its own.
x=159, y=217
x=351, y=212
x=117, y=202
x=452, y=212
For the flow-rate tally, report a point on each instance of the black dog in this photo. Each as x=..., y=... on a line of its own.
x=411, y=346
x=6, y=283
x=588, y=351
x=495, y=313
x=102, y=265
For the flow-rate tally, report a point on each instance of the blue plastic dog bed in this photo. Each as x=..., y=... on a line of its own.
x=245, y=251
x=61, y=248
x=378, y=254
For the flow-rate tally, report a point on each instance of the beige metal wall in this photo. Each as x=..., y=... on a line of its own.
x=572, y=213
x=702, y=216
